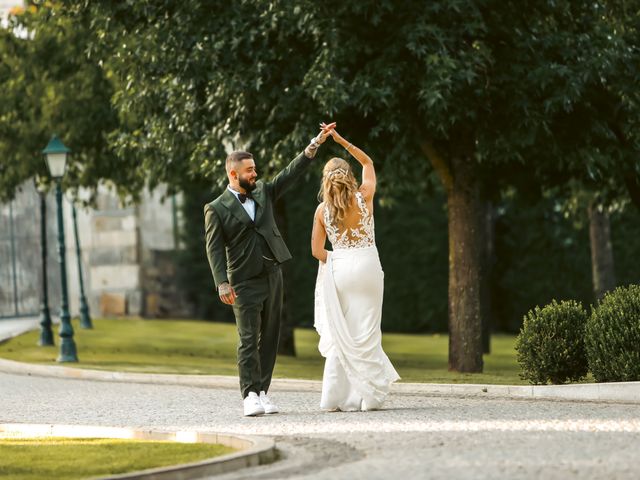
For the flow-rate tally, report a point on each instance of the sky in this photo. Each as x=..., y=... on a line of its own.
x=6, y=5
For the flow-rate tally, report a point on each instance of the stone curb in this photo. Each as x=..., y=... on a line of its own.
x=621, y=392
x=624, y=392
x=255, y=450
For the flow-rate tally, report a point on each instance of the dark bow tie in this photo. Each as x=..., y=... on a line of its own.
x=243, y=197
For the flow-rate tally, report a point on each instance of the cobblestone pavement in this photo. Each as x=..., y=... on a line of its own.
x=413, y=438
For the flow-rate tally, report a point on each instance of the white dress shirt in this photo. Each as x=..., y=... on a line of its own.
x=249, y=204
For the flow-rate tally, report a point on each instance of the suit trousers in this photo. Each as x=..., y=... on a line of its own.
x=258, y=308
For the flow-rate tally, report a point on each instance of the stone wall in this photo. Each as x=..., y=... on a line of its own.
x=128, y=255
x=114, y=258
x=20, y=258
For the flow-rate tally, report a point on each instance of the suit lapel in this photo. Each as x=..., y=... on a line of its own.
x=259, y=199
x=230, y=201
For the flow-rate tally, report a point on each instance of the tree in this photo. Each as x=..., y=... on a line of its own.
x=482, y=89
x=49, y=86
x=602, y=265
x=472, y=90
x=186, y=87
x=586, y=203
x=608, y=112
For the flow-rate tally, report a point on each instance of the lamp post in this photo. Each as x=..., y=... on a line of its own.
x=56, y=156
x=85, y=318
x=46, y=334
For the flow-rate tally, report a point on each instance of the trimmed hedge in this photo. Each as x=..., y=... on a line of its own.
x=550, y=346
x=613, y=336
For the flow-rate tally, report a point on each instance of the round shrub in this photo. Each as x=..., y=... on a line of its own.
x=613, y=336
x=550, y=346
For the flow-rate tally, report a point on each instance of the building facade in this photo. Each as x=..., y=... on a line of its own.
x=128, y=255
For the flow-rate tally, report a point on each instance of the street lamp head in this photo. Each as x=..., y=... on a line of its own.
x=56, y=155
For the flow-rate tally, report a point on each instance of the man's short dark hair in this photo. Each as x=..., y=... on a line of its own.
x=234, y=157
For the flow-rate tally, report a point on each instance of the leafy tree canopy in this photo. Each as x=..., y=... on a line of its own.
x=521, y=86
x=49, y=86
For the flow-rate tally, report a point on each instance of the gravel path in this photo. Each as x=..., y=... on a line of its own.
x=414, y=437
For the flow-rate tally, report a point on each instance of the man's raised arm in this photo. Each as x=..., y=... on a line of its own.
x=292, y=172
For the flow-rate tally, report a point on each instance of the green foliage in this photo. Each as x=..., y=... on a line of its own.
x=540, y=255
x=551, y=346
x=522, y=83
x=193, y=76
x=613, y=336
x=49, y=86
x=625, y=238
x=543, y=90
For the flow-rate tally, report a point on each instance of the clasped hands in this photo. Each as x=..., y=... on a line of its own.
x=325, y=131
x=318, y=140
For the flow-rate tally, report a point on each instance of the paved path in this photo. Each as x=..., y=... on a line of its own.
x=12, y=327
x=415, y=437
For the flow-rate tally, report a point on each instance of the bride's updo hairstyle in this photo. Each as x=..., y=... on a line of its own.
x=338, y=189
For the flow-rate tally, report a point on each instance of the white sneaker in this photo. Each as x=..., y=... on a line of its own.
x=267, y=405
x=252, y=405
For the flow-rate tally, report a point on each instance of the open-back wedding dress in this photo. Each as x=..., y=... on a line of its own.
x=348, y=311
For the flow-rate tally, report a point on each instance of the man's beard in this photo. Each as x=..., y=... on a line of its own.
x=247, y=185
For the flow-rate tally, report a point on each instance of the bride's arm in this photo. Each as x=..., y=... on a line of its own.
x=368, y=187
x=318, y=236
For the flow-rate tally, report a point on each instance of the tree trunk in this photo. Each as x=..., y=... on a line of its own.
x=286, y=345
x=632, y=181
x=486, y=277
x=467, y=234
x=602, y=266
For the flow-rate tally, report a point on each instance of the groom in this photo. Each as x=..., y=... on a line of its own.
x=245, y=250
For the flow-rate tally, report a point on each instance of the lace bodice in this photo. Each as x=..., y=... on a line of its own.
x=361, y=236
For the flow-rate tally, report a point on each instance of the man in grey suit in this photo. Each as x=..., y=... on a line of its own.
x=245, y=250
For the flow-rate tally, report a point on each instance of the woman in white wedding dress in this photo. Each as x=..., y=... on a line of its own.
x=349, y=288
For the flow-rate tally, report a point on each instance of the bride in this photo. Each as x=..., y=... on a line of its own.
x=349, y=288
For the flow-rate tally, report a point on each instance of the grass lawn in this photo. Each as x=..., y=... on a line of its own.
x=197, y=347
x=34, y=459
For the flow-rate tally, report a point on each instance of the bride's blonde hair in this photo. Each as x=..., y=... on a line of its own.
x=338, y=188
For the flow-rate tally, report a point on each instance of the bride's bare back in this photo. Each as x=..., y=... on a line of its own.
x=356, y=230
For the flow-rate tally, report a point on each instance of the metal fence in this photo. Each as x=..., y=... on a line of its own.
x=20, y=259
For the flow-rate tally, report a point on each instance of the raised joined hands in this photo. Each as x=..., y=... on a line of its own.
x=331, y=130
x=325, y=131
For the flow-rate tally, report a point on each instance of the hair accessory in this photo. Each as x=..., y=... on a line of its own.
x=337, y=171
